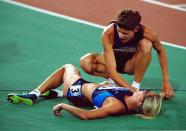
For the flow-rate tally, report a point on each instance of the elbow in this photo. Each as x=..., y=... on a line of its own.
x=109, y=75
x=87, y=116
x=84, y=116
x=111, y=72
x=161, y=52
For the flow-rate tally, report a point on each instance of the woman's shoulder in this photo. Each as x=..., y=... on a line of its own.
x=109, y=29
x=114, y=106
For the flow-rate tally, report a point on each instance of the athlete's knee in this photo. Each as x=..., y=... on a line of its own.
x=87, y=61
x=60, y=71
x=69, y=68
x=145, y=46
x=65, y=67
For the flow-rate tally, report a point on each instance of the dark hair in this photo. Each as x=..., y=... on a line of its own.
x=128, y=19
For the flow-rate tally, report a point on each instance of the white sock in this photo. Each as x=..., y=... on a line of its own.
x=136, y=85
x=111, y=82
x=59, y=93
x=36, y=92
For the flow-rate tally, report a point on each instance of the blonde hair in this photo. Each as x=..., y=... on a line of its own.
x=151, y=107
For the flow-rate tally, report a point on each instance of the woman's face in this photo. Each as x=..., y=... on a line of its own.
x=125, y=35
x=139, y=97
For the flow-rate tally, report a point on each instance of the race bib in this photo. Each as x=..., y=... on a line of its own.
x=75, y=90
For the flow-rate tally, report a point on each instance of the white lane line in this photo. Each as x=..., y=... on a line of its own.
x=181, y=5
x=165, y=5
x=173, y=45
x=73, y=19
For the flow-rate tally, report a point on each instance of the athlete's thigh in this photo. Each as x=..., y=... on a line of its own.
x=71, y=75
x=129, y=67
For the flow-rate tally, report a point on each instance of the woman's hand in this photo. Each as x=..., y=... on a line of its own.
x=168, y=90
x=162, y=94
x=57, y=109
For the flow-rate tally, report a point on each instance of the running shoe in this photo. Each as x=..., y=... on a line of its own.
x=26, y=98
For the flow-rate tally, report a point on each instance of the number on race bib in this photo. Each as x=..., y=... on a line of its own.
x=75, y=90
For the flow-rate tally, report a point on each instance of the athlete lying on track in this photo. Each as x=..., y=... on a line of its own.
x=107, y=100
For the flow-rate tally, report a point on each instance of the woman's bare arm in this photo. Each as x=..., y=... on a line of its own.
x=86, y=114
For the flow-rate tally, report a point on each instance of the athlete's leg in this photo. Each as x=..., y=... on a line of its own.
x=143, y=59
x=140, y=61
x=67, y=74
x=94, y=64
